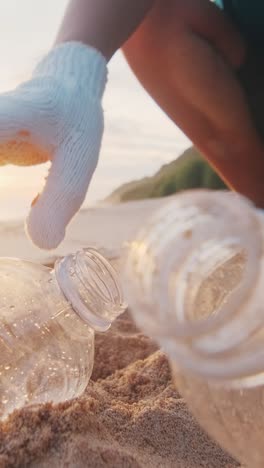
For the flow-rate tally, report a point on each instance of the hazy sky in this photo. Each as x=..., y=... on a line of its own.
x=138, y=137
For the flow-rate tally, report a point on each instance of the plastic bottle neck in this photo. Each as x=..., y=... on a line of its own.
x=198, y=287
x=90, y=284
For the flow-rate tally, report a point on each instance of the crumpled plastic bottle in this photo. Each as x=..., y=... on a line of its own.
x=47, y=322
x=194, y=280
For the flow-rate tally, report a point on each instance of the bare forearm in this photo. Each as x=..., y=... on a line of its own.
x=103, y=24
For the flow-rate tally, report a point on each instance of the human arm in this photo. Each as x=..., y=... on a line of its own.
x=102, y=24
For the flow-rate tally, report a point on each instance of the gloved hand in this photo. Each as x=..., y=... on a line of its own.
x=56, y=116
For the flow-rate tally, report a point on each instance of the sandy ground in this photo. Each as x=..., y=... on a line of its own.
x=106, y=227
x=131, y=414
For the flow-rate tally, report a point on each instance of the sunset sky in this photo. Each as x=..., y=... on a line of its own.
x=138, y=137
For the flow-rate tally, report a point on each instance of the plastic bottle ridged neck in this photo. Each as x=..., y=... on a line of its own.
x=90, y=284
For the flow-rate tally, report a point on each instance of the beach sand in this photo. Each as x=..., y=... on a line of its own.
x=131, y=414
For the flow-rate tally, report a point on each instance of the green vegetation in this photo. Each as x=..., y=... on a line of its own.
x=189, y=171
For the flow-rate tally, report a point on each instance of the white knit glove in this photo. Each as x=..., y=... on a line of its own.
x=56, y=116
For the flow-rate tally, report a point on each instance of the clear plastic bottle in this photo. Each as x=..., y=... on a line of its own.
x=194, y=279
x=47, y=323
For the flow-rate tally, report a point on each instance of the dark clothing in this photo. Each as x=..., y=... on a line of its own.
x=248, y=15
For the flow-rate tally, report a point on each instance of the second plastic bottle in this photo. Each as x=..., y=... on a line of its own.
x=194, y=279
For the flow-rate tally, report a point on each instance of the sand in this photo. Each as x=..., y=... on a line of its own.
x=105, y=226
x=131, y=414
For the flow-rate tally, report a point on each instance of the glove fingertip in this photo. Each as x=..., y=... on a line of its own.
x=44, y=231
